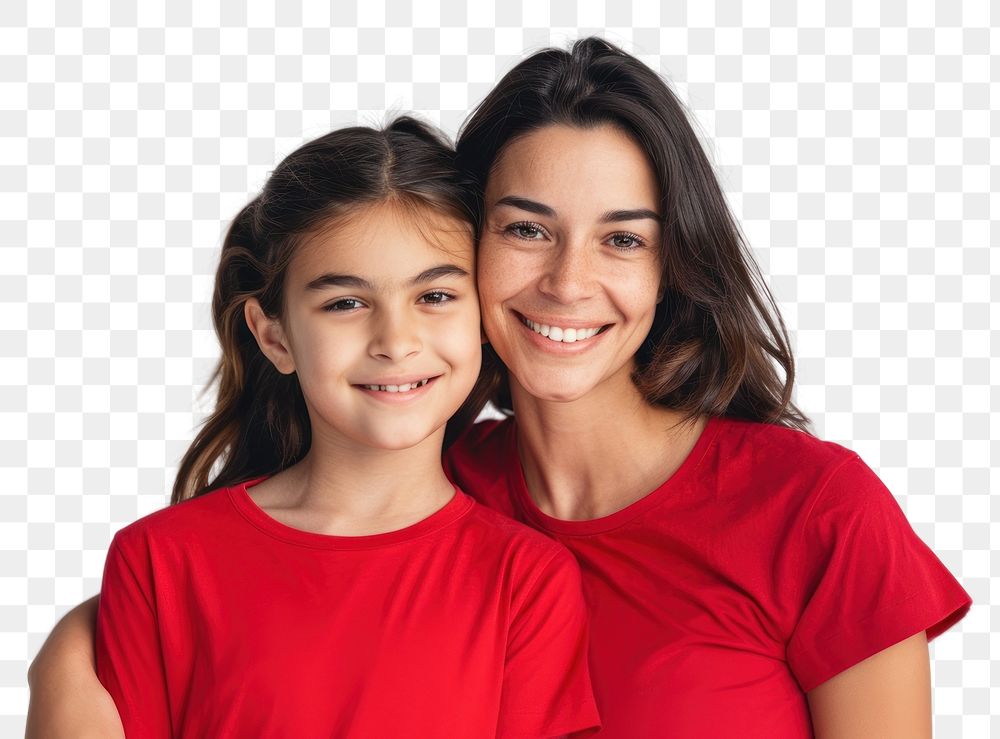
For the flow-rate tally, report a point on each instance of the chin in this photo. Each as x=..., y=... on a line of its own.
x=393, y=436
x=404, y=439
x=557, y=389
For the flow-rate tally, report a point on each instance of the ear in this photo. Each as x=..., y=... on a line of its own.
x=270, y=336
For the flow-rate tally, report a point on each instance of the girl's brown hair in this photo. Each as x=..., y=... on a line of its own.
x=260, y=424
x=717, y=341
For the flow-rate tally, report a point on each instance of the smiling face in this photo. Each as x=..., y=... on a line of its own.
x=381, y=325
x=569, y=260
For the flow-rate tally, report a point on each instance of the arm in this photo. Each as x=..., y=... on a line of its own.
x=887, y=695
x=129, y=657
x=67, y=700
x=546, y=686
x=876, y=595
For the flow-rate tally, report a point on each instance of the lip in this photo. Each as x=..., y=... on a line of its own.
x=384, y=396
x=397, y=379
x=559, y=347
x=561, y=322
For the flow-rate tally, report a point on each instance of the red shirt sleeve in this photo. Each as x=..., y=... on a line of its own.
x=129, y=658
x=546, y=683
x=870, y=581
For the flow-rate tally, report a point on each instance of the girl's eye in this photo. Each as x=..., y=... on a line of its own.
x=526, y=230
x=626, y=241
x=437, y=297
x=343, y=305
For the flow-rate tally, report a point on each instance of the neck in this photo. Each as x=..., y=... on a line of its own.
x=345, y=489
x=593, y=456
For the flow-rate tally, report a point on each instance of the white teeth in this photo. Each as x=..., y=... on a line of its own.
x=562, y=335
x=398, y=388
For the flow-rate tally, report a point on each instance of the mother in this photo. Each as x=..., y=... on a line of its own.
x=744, y=578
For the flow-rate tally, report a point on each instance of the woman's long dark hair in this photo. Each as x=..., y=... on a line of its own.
x=260, y=424
x=717, y=340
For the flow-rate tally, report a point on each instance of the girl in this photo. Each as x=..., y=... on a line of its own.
x=329, y=580
x=743, y=578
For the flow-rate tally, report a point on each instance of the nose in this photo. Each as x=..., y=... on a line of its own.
x=395, y=336
x=570, y=273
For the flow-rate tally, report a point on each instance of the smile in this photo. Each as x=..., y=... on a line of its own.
x=405, y=388
x=559, y=334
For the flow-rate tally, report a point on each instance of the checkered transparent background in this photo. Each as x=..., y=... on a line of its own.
x=857, y=142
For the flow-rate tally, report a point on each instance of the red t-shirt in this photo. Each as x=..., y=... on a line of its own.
x=216, y=620
x=769, y=562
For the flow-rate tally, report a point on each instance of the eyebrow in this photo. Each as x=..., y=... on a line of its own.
x=637, y=214
x=442, y=270
x=329, y=280
x=532, y=206
x=611, y=216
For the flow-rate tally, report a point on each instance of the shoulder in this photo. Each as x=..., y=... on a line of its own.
x=780, y=478
x=820, y=489
x=158, y=547
x=508, y=533
x=771, y=455
x=766, y=443
x=501, y=539
x=191, y=517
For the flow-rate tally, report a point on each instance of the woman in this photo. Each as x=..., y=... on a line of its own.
x=743, y=578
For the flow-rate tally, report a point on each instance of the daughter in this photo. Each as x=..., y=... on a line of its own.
x=319, y=575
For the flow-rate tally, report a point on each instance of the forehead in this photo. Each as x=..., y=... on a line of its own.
x=384, y=242
x=595, y=169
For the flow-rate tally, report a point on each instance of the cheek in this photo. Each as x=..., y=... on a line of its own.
x=639, y=291
x=488, y=272
x=501, y=274
x=327, y=355
x=458, y=337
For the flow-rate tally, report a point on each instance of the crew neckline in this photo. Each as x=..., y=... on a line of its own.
x=590, y=526
x=459, y=505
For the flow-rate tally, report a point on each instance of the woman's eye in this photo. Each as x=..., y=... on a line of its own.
x=526, y=230
x=437, y=297
x=626, y=241
x=343, y=304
